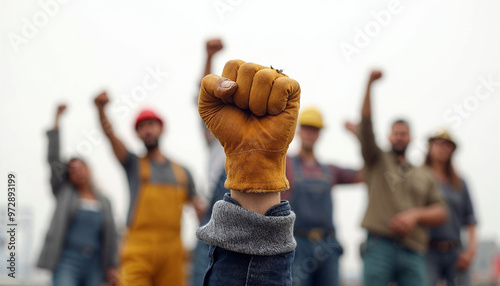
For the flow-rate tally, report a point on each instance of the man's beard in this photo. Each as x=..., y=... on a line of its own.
x=151, y=145
x=307, y=148
x=399, y=152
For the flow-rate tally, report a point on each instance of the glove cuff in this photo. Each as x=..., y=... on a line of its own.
x=257, y=171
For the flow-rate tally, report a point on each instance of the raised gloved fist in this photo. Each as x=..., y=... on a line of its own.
x=252, y=110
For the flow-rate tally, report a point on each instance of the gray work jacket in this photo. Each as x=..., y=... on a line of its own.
x=67, y=204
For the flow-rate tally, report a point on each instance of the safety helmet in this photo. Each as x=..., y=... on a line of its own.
x=147, y=114
x=311, y=116
x=443, y=134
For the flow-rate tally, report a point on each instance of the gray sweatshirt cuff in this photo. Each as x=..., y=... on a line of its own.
x=236, y=229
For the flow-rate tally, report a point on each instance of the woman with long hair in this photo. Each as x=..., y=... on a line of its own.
x=81, y=243
x=447, y=258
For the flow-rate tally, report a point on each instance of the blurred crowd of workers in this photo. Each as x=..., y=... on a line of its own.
x=413, y=219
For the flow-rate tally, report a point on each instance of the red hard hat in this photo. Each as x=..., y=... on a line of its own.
x=147, y=114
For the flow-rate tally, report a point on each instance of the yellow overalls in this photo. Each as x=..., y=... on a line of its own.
x=153, y=253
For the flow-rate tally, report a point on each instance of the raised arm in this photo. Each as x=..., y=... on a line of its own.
x=213, y=46
x=119, y=148
x=252, y=110
x=369, y=148
x=58, y=169
x=352, y=127
x=366, y=111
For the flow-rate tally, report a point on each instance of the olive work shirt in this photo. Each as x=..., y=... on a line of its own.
x=394, y=187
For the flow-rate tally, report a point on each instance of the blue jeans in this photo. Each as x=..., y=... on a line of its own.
x=316, y=263
x=200, y=263
x=238, y=269
x=386, y=260
x=441, y=265
x=77, y=268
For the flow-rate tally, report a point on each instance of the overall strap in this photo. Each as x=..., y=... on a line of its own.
x=180, y=174
x=297, y=169
x=144, y=169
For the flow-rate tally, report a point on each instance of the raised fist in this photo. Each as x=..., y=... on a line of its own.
x=101, y=100
x=375, y=75
x=213, y=46
x=252, y=110
x=60, y=109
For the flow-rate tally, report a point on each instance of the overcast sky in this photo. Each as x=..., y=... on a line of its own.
x=441, y=64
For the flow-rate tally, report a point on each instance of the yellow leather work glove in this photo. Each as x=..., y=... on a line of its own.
x=252, y=110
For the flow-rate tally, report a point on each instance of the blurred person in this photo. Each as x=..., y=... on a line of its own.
x=447, y=259
x=81, y=243
x=252, y=110
x=310, y=196
x=153, y=253
x=216, y=178
x=403, y=201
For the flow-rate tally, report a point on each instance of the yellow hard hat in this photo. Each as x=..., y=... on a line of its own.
x=311, y=116
x=443, y=134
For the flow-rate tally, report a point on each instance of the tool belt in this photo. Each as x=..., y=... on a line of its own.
x=444, y=245
x=314, y=234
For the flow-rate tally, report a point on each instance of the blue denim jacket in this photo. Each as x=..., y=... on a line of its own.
x=248, y=248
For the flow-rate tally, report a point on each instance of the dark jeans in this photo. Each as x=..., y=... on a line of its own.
x=200, y=263
x=238, y=269
x=78, y=268
x=316, y=263
x=441, y=266
x=386, y=260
